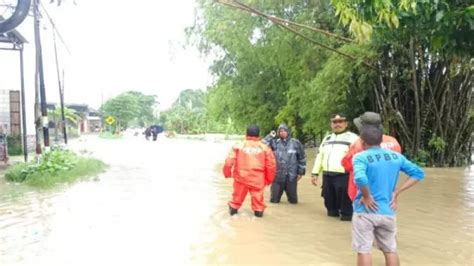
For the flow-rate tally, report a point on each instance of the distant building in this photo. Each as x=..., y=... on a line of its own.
x=10, y=116
x=89, y=118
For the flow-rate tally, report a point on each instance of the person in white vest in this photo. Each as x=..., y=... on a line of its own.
x=328, y=164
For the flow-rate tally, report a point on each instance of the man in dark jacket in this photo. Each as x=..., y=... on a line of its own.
x=291, y=164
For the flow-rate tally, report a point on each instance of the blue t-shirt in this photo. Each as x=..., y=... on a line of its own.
x=378, y=169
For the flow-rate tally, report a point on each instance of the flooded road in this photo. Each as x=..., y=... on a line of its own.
x=165, y=202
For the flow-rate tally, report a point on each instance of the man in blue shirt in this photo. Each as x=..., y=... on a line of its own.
x=376, y=173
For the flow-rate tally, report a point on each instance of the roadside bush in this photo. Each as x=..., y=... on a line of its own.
x=56, y=166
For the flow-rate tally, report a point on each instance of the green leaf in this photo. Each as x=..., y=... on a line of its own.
x=394, y=20
x=413, y=6
x=439, y=15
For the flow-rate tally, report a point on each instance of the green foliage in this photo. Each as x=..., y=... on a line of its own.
x=422, y=158
x=361, y=16
x=72, y=119
x=339, y=87
x=444, y=24
x=14, y=145
x=187, y=115
x=263, y=71
x=129, y=107
x=146, y=104
x=51, y=163
x=71, y=116
x=56, y=166
x=422, y=51
x=437, y=144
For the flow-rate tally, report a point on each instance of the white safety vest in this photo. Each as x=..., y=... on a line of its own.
x=331, y=151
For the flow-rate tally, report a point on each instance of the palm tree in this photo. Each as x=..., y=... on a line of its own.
x=70, y=115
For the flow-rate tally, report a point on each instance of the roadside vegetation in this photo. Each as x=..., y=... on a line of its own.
x=56, y=166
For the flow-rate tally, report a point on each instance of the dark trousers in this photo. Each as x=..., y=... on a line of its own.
x=335, y=195
x=290, y=189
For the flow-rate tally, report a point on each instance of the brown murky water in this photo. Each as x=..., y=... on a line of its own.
x=165, y=202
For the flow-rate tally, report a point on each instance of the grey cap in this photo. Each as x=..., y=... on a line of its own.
x=368, y=118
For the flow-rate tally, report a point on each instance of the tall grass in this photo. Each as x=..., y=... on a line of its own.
x=56, y=167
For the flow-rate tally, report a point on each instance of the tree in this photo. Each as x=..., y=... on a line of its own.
x=425, y=88
x=146, y=105
x=187, y=114
x=413, y=64
x=261, y=69
x=71, y=118
x=131, y=106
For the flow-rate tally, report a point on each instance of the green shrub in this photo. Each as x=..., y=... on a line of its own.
x=15, y=172
x=422, y=158
x=56, y=166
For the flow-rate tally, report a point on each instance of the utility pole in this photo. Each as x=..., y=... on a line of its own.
x=40, y=79
x=37, y=112
x=62, y=111
x=61, y=89
x=23, y=108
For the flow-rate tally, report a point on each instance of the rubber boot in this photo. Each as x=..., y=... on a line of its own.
x=232, y=211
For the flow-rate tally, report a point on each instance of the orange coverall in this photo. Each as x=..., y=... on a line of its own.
x=253, y=166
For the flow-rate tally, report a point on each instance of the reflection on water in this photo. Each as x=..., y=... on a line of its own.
x=165, y=201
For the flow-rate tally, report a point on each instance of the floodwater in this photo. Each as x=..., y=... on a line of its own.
x=164, y=202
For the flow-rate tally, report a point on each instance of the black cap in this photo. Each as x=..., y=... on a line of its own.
x=253, y=131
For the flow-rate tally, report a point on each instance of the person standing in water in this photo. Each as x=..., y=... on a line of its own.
x=388, y=142
x=252, y=165
x=328, y=162
x=376, y=172
x=291, y=164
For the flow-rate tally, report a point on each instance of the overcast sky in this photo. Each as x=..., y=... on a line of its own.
x=115, y=45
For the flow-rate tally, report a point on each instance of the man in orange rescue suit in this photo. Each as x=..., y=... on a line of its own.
x=252, y=165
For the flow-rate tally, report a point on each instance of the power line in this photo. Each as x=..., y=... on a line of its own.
x=55, y=29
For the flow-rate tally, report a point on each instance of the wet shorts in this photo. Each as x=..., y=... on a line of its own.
x=367, y=227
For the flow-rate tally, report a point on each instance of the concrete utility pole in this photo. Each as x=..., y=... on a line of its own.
x=40, y=104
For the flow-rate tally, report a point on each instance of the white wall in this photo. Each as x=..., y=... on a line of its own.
x=4, y=111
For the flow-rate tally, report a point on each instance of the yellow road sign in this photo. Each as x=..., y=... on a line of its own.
x=110, y=120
